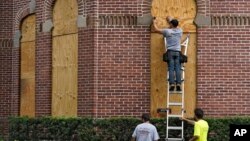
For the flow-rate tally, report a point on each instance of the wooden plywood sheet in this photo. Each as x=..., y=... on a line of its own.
x=28, y=27
x=184, y=11
x=27, y=101
x=158, y=74
x=190, y=78
x=27, y=97
x=65, y=17
x=65, y=65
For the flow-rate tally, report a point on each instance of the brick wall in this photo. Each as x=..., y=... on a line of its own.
x=223, y=60
x=118, y=7
x=223, y=70
x=123, y=71
x=123, y=67
x=86, y=72
x=230, y=7
x=86, y=59
x=5, y=81
x=6, y=16
x=114, y=59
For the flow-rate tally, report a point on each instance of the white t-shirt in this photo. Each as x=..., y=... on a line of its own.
x=145, y=132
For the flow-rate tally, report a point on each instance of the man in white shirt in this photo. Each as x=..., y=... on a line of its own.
x=145, y=131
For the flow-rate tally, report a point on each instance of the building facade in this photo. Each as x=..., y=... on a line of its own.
x=112, y=66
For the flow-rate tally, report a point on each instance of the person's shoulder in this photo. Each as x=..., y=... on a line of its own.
x=151, y=125
x=167, y=30
x=202, y=122
x=205, y=122
x=141, y=124
x=179, y=29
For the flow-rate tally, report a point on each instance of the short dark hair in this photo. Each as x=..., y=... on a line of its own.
x=199, y=113
x=174, y=22
x=145, y=117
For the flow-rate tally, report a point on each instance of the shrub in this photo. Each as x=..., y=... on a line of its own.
x=112, y=129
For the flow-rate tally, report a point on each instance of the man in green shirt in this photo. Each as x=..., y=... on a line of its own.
x=200, y=126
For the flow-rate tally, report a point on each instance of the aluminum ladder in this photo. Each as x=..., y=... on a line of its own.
x=175, y=103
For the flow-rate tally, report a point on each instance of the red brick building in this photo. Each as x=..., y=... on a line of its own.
x=114, y=57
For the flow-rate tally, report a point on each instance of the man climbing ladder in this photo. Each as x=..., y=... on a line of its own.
x=172, y=40
x=173, y=36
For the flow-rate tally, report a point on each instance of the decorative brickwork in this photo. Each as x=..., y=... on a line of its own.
x=231, y=20
x=48, y=6
x=21, y=13
x=6, y=43
x=117, y=20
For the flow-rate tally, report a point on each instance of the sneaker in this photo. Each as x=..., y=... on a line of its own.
x=178, y=87
x=171, y=88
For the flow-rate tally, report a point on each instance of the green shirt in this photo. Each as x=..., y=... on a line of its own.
x=201, y=130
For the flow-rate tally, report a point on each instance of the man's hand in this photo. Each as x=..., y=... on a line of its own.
x=182, y=118
x=155, y=21
x=156, y=28
x=169, y=18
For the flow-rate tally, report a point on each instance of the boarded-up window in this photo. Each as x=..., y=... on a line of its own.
x=64, y=58
x=27, y=101
x=185, y=12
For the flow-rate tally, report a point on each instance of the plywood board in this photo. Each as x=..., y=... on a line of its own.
x=28, y=29
x=184, y=11
x=64, y=72
x=27, y=74
x=64, y=58
x=27, y=101
x=65, y=17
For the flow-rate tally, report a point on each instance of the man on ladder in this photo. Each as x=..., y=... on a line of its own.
x=173, y=36
x=172, y=40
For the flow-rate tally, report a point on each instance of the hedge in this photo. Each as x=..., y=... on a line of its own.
x=1, y=131
x=113, y=129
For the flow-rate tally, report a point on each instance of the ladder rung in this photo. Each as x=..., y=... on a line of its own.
x=175, y=104
x=174, y=139
x=174, y=128
x=175, y=116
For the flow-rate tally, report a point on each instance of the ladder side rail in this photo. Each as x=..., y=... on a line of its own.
x=185, y=44
x=183, y=102
x=165, y=44
x=168, y=112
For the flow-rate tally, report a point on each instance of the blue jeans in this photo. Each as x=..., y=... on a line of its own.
x=174, y=67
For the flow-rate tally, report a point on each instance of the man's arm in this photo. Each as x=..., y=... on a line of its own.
x=187, y=120
x=157, y=29
x=194, y=138
x=156, y=135
x=134, y=134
